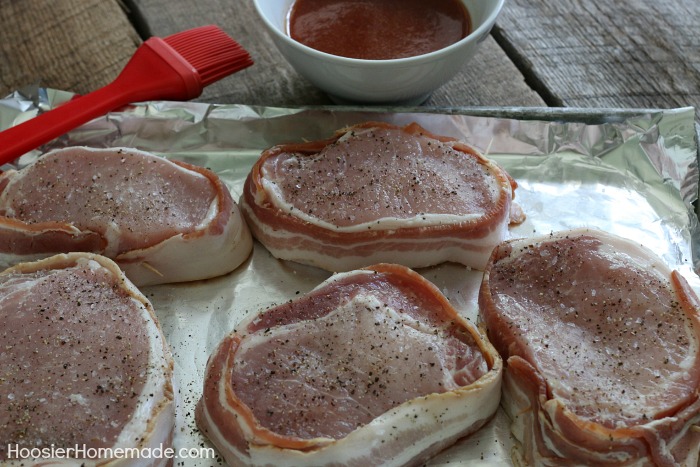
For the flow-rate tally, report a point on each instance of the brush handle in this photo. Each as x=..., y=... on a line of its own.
x=41, y=129
x=154, y=72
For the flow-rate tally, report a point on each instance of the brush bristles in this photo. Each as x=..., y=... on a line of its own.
x=210, y=51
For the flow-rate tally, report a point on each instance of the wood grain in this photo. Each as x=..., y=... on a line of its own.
x=583, y=53
x=572, y=53
x=489, y=79
x=71, y=45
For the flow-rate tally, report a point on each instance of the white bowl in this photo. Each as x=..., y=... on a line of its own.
x=403, y=81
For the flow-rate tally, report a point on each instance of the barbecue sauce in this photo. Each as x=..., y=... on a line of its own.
x=378, y=29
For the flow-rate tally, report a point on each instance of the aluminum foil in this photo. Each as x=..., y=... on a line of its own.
x=630, y=172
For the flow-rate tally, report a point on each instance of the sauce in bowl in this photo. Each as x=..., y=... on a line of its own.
x=378, y=29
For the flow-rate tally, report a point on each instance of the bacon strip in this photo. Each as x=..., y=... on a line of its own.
x=372, y=367
x=83, y=364
x=376, y=192
x=602, y=349
x=160, y=220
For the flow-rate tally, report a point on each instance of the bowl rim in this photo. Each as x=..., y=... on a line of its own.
x=476, y=35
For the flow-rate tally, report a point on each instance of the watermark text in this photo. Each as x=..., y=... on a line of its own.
x=16, y=452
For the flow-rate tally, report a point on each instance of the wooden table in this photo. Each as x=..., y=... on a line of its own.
x=545, y=53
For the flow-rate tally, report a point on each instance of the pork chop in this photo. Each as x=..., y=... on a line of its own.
x=376, y=192
x=83, y=364
x=160, y=220
x=372, y=367
x=601, y=342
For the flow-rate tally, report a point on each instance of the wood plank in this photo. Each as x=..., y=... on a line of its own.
x=584, y=53
x=72, y=45
x=490, y=79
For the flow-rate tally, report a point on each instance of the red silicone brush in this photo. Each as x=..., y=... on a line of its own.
x=175, y=68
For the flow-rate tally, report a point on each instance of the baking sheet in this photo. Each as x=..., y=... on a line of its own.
x=630, y=172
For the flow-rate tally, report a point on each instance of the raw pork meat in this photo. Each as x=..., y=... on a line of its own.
x=83, y=364
x=372, y=367
x=601, y=343
x=160, y=220
x=379, y=193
